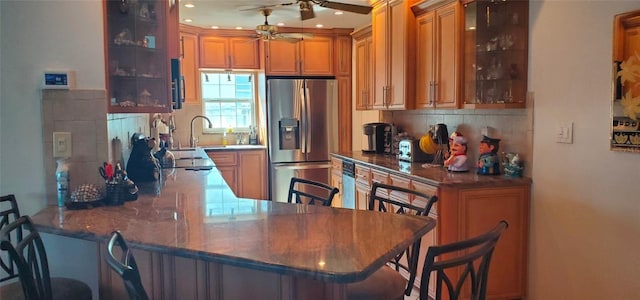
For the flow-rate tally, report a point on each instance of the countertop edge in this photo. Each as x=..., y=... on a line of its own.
x=465, y=179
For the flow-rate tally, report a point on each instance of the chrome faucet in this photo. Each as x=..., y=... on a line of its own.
x=192, y=140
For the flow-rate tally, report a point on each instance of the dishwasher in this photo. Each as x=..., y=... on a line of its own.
x=348, y=184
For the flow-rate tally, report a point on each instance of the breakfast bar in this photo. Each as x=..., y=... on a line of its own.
x=194, y=239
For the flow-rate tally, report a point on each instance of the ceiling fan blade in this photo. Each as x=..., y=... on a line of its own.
x=294, y=35
x=354, y=8
x=268, y=6
x=307, y=14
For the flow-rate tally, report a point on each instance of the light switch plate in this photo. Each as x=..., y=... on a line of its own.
x=564, y=133
x=62, y=144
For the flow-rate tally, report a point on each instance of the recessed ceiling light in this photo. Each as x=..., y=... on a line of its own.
x=189, y=5
x=188, y=20
x=338, y=13
x=319, y=25
x=238, y=27
x=280, y=24
x=214, y=27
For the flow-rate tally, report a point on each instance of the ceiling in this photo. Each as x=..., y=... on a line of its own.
x=228, y=14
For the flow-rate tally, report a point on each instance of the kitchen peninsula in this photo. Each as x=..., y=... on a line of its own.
x=468, y=204
x=194, y=239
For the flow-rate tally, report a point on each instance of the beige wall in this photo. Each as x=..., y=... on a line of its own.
x=585, y=218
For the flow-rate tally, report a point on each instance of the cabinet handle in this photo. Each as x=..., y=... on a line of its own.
x=389, y=96
x=435, y=92
x=431, y=92
x=182, y=46
x=384, y=95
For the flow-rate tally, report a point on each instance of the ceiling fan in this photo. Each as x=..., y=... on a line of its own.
x=268, y=32
x=306, y=7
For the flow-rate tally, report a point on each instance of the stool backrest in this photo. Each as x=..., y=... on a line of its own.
x=470, y=257
x=420, y=205
x=9, y=213
x=308, y=192
x=125, y=266
x=30, y=258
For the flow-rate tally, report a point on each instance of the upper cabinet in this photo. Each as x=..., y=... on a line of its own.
x=236, y=52
x=309, y=56
x=495, y=54
x=189, y=65
x=141, y=37
x=393, y=32
x=363, y=68
x=438, y=60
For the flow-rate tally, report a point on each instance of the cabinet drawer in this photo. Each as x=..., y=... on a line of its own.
x=381, y=177
x=427, y=189
x=336, y=164
x=223, y=158
x=363, y=175
x=402, y=182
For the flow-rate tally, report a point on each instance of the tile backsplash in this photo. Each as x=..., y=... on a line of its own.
x=513, y=126
x=83, y=113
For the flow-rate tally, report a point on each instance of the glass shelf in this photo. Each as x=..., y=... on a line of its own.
x=495, y=56
x=137, y=58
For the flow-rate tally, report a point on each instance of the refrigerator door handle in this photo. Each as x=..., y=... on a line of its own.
x=298, y=166
x=303, y=118
x=307, y=120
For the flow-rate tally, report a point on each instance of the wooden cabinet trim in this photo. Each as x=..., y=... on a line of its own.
x=224, y=158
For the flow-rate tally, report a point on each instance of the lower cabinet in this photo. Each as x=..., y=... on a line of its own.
x=363, y=186
x=336, y=181
x=245, y=171
x=464, y=212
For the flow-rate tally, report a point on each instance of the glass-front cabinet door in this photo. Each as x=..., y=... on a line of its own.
x=138, y=55
x=495, y=53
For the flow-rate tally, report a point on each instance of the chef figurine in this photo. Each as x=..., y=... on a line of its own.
x=488, y=163
x=457, y=161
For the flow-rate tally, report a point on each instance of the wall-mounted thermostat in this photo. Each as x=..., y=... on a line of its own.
x=59, y=80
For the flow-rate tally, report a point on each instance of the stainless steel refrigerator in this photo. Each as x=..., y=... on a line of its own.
x=302, y=119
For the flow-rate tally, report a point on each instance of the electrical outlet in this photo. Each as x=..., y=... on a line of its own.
x=62, y=144
x=564, y=133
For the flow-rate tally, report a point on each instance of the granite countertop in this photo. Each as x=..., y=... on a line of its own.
x=232, y=147
x=195, y=214
x=434, y=175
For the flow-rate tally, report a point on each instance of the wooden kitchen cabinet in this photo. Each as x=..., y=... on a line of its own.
x=463, y=211
x=496, y=54
x=342, y=50
x=189, y=66
x=363, y=68
x=311, y=56
x=438, y=61
x=141, y=37
x=336, y=181
x=393, y=32
x=363, y=186
x=224, y=52
x=253, y=174
x=245, y=171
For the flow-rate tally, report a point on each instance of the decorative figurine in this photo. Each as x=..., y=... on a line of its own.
x=457, y=161
x=512, y=165
x=488, y=163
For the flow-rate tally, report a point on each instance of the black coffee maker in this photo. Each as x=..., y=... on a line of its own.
x=375, y=133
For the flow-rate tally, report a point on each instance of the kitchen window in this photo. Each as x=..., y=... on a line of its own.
x=228, y=100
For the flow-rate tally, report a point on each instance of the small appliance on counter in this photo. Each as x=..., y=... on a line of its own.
x=409, y=150
x=376, y=136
